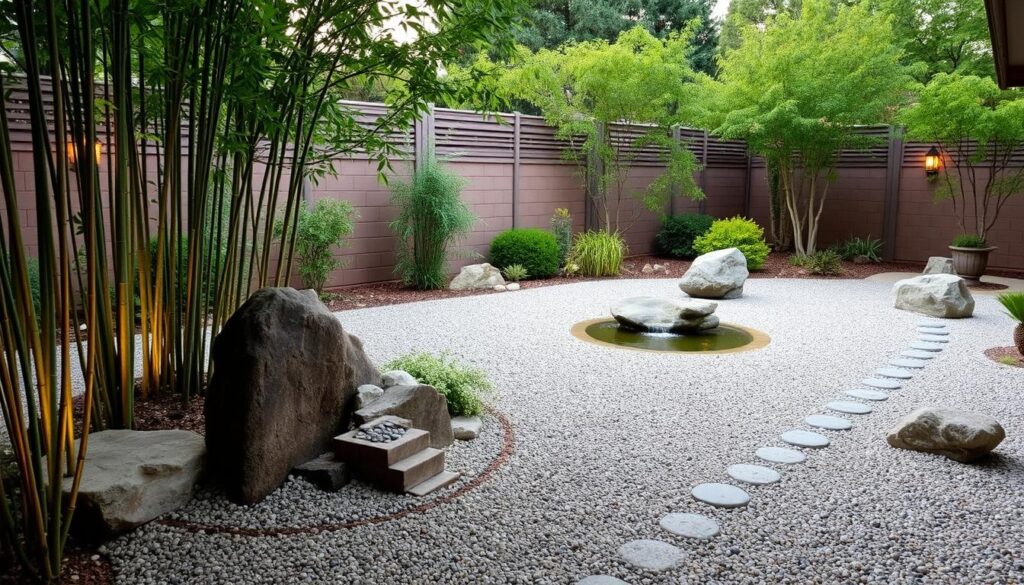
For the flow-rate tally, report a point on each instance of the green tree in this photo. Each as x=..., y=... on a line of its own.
x=979, y=128
x=744, y=13
x=796, y=90
x=585, y=89
x=943, y=36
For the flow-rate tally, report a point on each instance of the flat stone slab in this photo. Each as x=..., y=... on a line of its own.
x=940, y=330
x=721, y=495
x=781, y=455
x=883, y=383
x=849, y=407
x=805, y=439
x=865, y=394
x=908, y=363
x=826, y=421
x=898, y=373
x=926, y=346
x=918, y=354
x=933, y=338
x=653, y=555
x=691, y=525
x=930, y=323
x=601, y=580
x=753, y=474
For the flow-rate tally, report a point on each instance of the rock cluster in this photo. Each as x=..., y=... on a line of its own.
x=422, y=405
x=658, y=315
x=384, y=432
x=961, y=436
x=716, y=275
x=938, y=295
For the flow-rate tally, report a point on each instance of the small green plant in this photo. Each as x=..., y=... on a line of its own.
x=432, y=217
x=535, y=249
x=677, y=233
x=736, y=232
x=1013, y=302
x=461, y=384
x=515, y=272
x=1009, y=360
x=320, y=229
x=969, y=241
x=597, y=254
x=823, y=262
x=870, y=248
x=561, y=227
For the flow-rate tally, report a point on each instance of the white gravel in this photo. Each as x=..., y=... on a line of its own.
x=609, y=441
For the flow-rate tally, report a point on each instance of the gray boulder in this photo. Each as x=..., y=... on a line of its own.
x=131, y=477
x=398, y=378
x=961, y=436
x=422, y=405
x=664, y=315
x=477, y=276
x=466, y=428
x=939, y=265
x=284, y=383
x=325, y=472
x=938, y=295
x=366, y=394
x=716, y=275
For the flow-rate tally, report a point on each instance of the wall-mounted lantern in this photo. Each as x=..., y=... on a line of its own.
x=73, y=153
x=932, y=162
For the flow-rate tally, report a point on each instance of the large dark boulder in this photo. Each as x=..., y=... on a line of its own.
x=284, y=382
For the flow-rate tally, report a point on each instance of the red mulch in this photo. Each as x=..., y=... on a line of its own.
x=995, y=353
x=987, y=286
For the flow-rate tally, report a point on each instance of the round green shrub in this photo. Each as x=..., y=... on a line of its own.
x=532, y=248
x=736, y=232
x=462, y=385
x=675, y=238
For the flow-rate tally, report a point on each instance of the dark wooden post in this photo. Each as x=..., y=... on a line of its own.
x=516, y=133
x=423, y=144
x=894, y=159
x=703, y=205
x=746, y=184
x=595, y=170
x=677, y=134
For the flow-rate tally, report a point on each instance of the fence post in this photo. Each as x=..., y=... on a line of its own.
x=595, y=171
x=515, y=168
x=747, y=183
x=677, y=134
x=703, y=205
x=894, y=160
x=423, y=145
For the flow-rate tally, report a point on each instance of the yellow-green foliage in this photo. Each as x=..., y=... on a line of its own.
x=462, y=384
x=737, y=232
x=597, y=254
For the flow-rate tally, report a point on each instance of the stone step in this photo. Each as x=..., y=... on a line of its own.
x=367, y=454
x=413, y=470
x=435, y=483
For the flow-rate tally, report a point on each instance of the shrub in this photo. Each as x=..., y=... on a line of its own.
x=824, y=262
x=1013, y=302
x=736, y=232
x=597, y=254
x=534, y=249
x=461, y=384
x=675, y=238
x=561, y=227
x=432, y=217
x=515, y=272
x=870, y=248
x=319, y=231
x=969, y=241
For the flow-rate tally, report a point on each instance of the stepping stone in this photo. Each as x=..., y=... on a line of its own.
x=918, y=354
x=933, y=338
x=930, y=323
x=865, y=394
x=690, y=525
x=826, y=421
x=653, y=555
x=933, y=330
x=753, y=474
x=601, y=580
x=721, y=495
x=883, y=383
x=780, y=455
x=926, y=346
x=908, y=363
x=898, y=373
x=849, y=407
x=805, y=439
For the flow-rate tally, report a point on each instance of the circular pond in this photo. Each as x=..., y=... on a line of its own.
x=726, y=338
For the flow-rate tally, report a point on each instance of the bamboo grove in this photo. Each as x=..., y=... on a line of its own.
x=168, y=137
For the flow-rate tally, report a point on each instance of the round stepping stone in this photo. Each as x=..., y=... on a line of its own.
x=883, y=383
x=826, y=421
x=865, y=394
x=849, y=407
x=781, y=455
x=721, y=495
x=926, y=346
x=930, y=323
x=941, y=330
x=753, y=474
x=933, y=338
x=805, y=439
x=601, y=580
x=690, y=525
x=918, y=354
x=653, y=555
x=907, y=363
x=898, y=373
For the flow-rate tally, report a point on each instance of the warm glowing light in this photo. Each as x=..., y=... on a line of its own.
x=72, y=149
x=932, y=162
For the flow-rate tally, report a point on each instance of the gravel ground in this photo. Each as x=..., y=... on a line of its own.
x=609, y=441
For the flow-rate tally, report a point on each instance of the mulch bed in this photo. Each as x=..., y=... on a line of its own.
x=997, y=354
x=81, y=566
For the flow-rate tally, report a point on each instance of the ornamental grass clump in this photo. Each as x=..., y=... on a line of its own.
x=597, y=254
x=561, y=227
x=461, y=384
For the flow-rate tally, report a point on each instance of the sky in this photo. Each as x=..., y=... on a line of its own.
x=721, y=7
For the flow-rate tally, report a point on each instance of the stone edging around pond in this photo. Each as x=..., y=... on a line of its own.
x=760, y=341
x=507, y=449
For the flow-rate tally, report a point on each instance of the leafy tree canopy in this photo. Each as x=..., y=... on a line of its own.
x=944, y=36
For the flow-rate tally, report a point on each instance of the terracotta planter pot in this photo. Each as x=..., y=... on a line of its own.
x=1018, y=338
x=970, y=263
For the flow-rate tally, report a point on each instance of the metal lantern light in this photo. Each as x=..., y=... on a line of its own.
x=72, y=151
x=932, y=162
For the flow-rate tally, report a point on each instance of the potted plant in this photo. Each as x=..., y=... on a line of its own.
x=1014, y=303
x=970, y=256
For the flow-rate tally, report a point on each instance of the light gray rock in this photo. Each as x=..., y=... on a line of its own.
x=781, y=455
x=849, y=407
x=805, y=439
x=652, y=555
x=366, y=394
x=132, y=477
x=501, y=287
x=753, y=474
x=466, y=428
x=716, y=275
x=939, y=265
x=720, y=495
x=477, y=276
x=423, y=405
x=961, y=436
x=664, y=315
x=865, y=394
x=647, y=269
x=512, y=286
x=938, y=295
x=690, y=525
x=398, y=378
x=601, y=580
x=829, y=422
